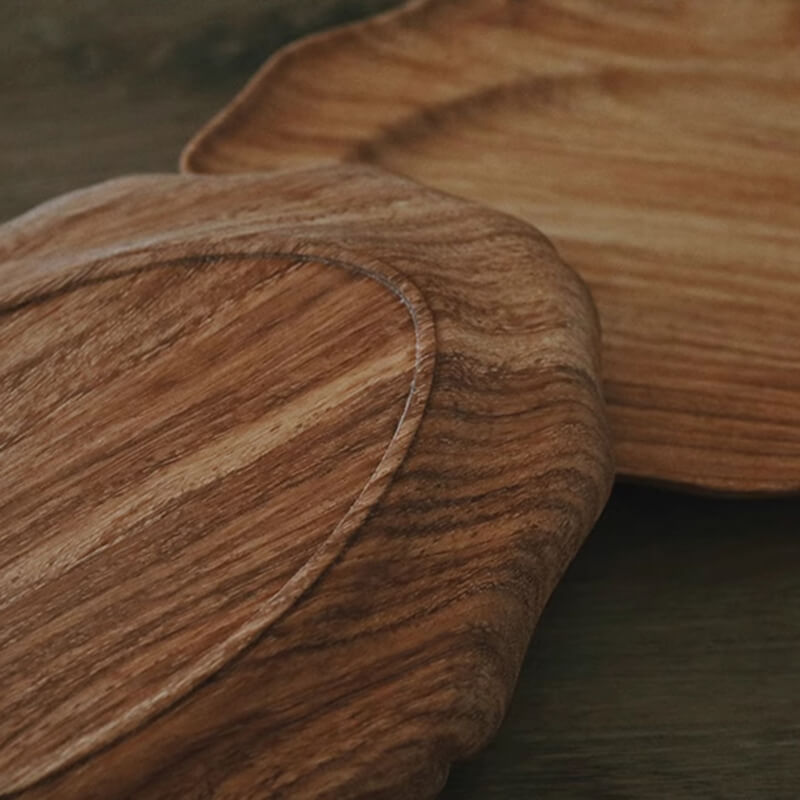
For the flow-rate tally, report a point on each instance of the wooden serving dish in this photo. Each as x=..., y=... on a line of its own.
x=289, y=466
x=656, y=142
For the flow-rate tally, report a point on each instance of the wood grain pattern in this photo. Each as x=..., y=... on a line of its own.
x=287, y=465
x=655, y=141
x=223, y=399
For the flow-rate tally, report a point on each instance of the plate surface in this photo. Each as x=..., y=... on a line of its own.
x=282, y=462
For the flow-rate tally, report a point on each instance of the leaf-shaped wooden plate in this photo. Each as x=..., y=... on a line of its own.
x=288, y=467
x=656, y=142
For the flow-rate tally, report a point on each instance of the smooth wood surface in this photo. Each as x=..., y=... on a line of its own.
x=657, y=144
x=178, y=442
x=287, y=477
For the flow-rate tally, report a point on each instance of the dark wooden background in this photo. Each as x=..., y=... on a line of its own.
x=667, y=665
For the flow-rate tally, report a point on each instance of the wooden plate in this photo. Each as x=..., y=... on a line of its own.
x=288, y=468
x=656, y=142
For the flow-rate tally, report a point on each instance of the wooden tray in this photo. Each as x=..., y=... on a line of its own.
x=289, y=466
x=656, y=142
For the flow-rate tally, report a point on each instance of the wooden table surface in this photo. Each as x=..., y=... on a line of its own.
x=667, y=664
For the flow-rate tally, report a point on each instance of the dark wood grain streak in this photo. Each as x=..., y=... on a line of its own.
x=655, y=142
x=198, y=592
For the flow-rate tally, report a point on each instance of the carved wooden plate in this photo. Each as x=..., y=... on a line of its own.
x=656, y=142
x=288, y=467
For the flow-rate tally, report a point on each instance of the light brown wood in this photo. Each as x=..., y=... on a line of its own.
x=287, y=475
x=656, y=142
